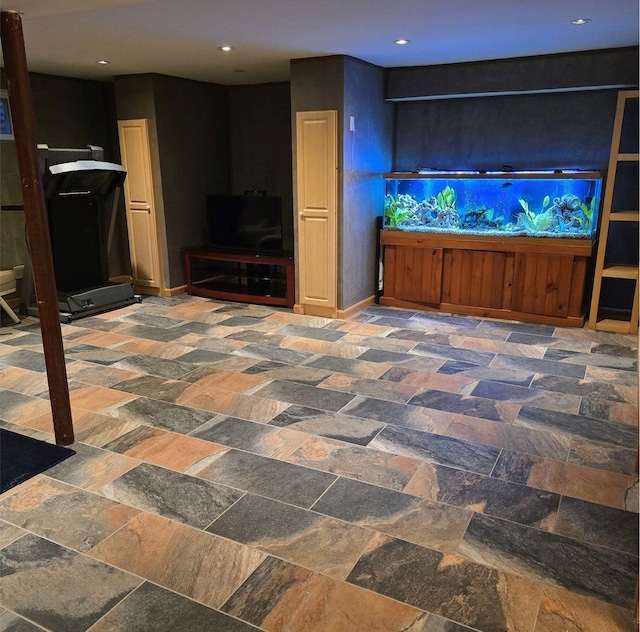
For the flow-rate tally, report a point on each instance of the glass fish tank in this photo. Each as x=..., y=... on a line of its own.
x=541, y=204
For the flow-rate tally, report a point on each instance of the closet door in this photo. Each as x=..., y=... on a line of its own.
x=141, y=211
x=317, y=200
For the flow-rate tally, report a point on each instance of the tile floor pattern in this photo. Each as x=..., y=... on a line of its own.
x=245, y=468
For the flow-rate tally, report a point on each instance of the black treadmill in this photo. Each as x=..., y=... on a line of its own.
x=81, y=222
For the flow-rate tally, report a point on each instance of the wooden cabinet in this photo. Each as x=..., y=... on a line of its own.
x=523, y=278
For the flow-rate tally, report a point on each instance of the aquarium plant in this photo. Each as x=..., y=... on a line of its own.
x=446, y=198
x=441, y=210
x=393, y=214
x=567, y=214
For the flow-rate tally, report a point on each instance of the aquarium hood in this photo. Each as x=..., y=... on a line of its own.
x=505, y=174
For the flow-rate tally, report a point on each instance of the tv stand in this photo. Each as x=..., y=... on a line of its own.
x=247, y=277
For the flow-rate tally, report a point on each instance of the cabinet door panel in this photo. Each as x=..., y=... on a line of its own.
x=140, y=204
x=419, y=274
x=317, y=202
x=476, y=278
x=543, y=284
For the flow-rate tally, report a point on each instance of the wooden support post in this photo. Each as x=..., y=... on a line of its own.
x=24, y=129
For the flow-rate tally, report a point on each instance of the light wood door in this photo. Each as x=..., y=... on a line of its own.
x=141, y=209
x=317, y=189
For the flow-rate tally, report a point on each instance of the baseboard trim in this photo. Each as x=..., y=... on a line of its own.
x=149, y=291
x=330, y=312
x=356, y=307
x=174, y=291
x=121, y=278
x=315, y=310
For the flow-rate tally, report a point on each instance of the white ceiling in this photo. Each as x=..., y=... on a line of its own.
x=181, y=37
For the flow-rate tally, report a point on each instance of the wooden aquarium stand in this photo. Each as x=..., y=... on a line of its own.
x=534, y=279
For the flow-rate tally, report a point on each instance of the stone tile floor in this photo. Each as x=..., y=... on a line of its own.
x=245, y=468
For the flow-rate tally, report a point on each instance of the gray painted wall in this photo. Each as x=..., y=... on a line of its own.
x=318, y=84
x=191, y=120
x=134, y=97
x=563, y=71
x=260, y=145
x=69, y=113
x=353, y=88
x=540, y=131
x=366, y=156
x=188, y=137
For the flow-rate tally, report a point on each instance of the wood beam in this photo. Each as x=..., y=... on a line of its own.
x=37, y=226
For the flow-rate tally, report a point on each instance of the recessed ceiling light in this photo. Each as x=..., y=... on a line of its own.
x=402, y=42
x=580, y=21
x=225, y=48
x=103, y=62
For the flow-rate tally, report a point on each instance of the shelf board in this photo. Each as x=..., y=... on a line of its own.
x=624, y=216
x=616, y=326
x=620, y=272
x=628, y=157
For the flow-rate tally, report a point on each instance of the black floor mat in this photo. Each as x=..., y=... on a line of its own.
x=22, y=457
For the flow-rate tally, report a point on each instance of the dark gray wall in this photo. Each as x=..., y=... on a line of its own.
x=538, y=131
x=260, y=145
x=189, y=154
x=72, y=112
x=366, y=156
x=567, y=125
x=353, y=88
x=563, y=71
x=318, y=84
x=69, y=113
x=191, y=120
x=134, y=99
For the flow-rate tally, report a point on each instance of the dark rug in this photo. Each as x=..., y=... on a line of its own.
x=23, y=457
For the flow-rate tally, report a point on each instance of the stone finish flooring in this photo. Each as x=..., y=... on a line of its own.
x=244, y=468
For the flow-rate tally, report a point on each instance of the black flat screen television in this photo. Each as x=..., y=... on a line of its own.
x=245, y=223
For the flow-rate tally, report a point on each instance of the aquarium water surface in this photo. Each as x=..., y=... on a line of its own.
x=538, y=204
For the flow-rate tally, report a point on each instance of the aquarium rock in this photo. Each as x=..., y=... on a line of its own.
x=567, y=214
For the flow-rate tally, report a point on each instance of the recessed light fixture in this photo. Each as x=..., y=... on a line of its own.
x=103, y=62
x=580, y=21
x=225, y=48
x=402, y=42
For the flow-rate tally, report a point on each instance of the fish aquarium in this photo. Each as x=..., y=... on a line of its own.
x=539, y=204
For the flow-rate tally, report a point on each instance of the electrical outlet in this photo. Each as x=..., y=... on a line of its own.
x=18, y=271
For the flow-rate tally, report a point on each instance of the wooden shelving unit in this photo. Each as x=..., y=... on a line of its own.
x=605, y=270
x=253, y=278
